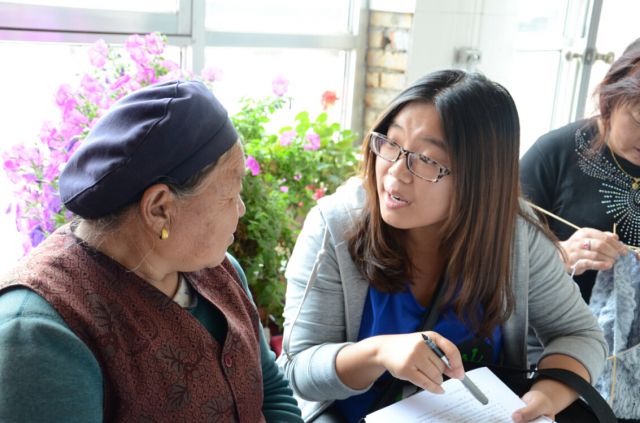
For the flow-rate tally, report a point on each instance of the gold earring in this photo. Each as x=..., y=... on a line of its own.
x=164, y=234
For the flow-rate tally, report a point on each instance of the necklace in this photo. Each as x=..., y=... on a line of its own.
x=635, y=182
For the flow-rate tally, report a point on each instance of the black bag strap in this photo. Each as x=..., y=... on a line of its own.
x=592, y=407
x=590, y=395
x=395, y=385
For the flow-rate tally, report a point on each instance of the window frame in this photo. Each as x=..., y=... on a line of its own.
x=186, y=29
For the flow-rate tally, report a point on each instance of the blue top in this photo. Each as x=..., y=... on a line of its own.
x=396, y=313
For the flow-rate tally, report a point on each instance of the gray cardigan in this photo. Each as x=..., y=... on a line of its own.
x=326, y=293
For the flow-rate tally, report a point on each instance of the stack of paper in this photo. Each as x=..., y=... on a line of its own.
x=456, y=405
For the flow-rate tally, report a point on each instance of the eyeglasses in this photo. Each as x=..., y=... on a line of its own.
x=418, y=164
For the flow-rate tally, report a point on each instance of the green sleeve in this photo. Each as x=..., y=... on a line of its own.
x=47, y=374
x=279, y=404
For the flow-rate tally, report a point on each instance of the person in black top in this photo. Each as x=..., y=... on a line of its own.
x=587, y=173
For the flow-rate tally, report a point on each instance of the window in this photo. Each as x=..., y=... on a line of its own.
x=45, y=43
x=279, y=16
x=249, y=72
x=124, y=5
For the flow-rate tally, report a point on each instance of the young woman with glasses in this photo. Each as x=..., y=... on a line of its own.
x=437, y=206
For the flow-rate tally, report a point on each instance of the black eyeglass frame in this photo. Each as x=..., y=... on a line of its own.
x=410, y=156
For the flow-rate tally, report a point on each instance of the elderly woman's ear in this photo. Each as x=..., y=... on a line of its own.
x=158, y=208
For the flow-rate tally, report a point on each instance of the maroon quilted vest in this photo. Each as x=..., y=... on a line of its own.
x=158, y=362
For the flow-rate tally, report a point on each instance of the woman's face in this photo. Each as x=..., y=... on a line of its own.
x=207, y=220
x=624, y=132
x=407, y=201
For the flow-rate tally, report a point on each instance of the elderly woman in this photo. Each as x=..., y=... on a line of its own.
x=134, y=312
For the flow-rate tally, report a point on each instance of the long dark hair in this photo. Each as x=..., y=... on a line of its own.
x=620, y=87
x=481, y=126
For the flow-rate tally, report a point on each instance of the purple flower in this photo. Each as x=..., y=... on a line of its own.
x=297, y=177
x=211, y=73
x=36, y=236
x=98, y=53
x=284, y=188
x=313, y=141
x=253, y=165
x=287, y=137
x=280, y=85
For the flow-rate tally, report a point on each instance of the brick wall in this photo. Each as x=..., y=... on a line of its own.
x=387, y=58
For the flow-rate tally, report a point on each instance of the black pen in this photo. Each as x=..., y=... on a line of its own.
x=471, y=387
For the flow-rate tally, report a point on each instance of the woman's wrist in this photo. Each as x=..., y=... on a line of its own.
x=359, y=365
x=559, y=395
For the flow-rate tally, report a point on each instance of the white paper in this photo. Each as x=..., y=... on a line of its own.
x=456, y=405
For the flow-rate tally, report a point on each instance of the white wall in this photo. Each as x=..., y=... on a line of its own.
x=490, y=26
x=441, y=27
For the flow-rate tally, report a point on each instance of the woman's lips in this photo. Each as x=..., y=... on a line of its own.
x=394, y=201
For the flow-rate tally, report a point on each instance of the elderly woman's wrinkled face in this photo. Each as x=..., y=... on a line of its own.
x=207, y=220
x=624, y=134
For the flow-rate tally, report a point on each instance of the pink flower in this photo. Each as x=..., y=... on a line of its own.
x=313, y=141
x=135, y=41
x=65, y=99
x=118, y=83
x=93, y=89
x=73, y=124
x=136, y=46
x=49, y=134
x=98, y=53
x=287, y=137
x=253, y=165
x=146, y=75
x=90, y=85
x=211, y=73
x=280, y=85
x=170, y=65
x=318, y=194
x=154, y=43
x=284, y=188
x=328, y=99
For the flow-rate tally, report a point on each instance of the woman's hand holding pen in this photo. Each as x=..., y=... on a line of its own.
x=405, y=356
x=591, y=249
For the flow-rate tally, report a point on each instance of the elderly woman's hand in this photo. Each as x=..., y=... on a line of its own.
x=591, y=249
